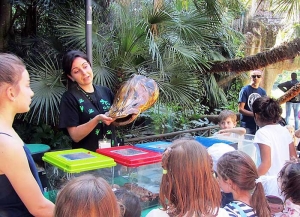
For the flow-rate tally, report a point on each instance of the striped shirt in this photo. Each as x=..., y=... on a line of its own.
x=233, y=212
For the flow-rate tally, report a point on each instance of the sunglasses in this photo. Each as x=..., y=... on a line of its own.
x=255, y=76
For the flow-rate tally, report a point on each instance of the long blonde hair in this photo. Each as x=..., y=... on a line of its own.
x=188, y=186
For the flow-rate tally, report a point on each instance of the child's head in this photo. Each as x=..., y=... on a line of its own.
x=236, y=168
x=237, y=172
x=86, y=195
x=266, y=111
x=227, y=119
x=289, y=177
x=130, y=202
x=186, y=169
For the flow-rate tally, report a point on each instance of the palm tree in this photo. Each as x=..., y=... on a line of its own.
x=176, y=55
x=289, y=7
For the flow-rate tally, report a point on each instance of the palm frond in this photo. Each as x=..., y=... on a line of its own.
x=154, y=51
x=290, y=8
x=214, y=94
x=177, y=84
x=71, y=31
x=45, y=81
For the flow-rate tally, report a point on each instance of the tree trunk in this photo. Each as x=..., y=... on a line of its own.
x=30, y=28
x=5, y=21
x=157, y=5
x=287, y=51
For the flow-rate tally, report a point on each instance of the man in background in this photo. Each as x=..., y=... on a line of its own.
x=292, y=104
x=247, y=95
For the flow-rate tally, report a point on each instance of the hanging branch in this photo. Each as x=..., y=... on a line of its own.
x=291, y=93
x=284, y=52
x=287, y=51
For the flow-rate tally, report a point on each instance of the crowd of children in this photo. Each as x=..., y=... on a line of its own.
x=277, y=173
x=233, y=185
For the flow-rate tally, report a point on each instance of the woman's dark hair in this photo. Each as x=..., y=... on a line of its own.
x=67, y=62
x=268, y=109
x=130, y=201
x=68, y=59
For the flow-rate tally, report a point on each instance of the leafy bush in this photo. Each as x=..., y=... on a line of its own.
x=42, y=134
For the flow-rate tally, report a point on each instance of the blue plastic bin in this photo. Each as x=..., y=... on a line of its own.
x=158, y=146
x=208, y=141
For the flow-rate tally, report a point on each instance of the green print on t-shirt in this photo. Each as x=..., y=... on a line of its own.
x=105, y=104
x=108, y=132
x=81, y=107
x=91, y=111
x=97, y=131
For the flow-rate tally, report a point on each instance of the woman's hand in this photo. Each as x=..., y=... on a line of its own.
x=79, y=132
x=105, y=119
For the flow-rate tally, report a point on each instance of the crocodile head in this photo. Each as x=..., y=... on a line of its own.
x=134, y=96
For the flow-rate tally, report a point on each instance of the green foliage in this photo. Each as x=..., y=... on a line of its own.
x=232, y=95
x=174, y=45
x=42, y=134
x=289, y=8
x=46, y=83
x=172, y=117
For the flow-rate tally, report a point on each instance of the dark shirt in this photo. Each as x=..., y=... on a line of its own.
x=248, y=95
x=285, y=86
x=10, y=203
x=76, y=108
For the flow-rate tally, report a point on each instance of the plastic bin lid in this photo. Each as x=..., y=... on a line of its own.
x=208, y=141
x=37, y=148
x=158, y=146
x=78, y=160
x=131, y=156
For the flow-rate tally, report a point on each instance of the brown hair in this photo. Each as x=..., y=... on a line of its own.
x=11, y=68
x=289, y=176
x=225, y=114
x=86, y=195
x=130, y=202
x=188, y=186
x=241, y=170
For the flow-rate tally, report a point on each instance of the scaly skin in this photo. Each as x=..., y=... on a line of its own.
x=136, y=95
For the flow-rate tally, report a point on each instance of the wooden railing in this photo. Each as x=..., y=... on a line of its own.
x=202, y=131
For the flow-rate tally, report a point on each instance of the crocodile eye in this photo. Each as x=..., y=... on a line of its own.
x=135, y=104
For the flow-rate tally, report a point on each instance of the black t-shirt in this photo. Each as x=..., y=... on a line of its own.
x=76, y=109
